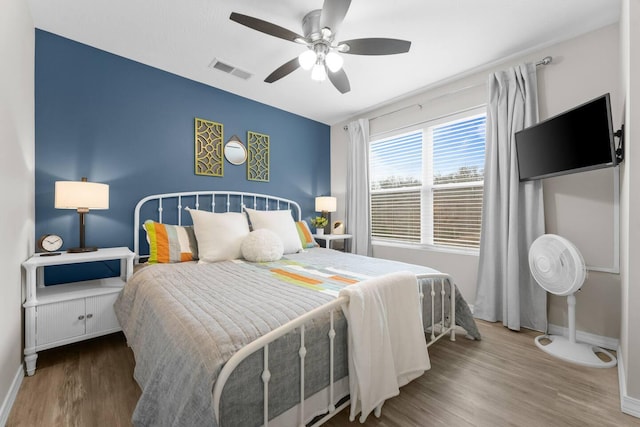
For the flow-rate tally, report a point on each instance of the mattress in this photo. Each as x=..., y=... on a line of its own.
x=184, y=321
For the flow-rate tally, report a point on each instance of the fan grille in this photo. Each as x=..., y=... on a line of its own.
x=557, y=264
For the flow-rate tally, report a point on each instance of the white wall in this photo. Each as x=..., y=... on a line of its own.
x=630, y=209
x=583, y=68
x=17, y=51
x=580, y=206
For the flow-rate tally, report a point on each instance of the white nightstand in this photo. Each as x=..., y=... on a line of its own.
x=62, y=314
x=328, y=238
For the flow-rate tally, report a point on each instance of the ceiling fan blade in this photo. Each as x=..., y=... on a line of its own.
x=283, y=70
x=333, y=13
x=265, y=27
x=340, y=80
x=375, y=46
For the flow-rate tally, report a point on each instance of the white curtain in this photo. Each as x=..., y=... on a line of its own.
x=513, y=215
x=358, y=210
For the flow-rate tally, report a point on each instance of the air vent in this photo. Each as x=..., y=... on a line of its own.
x=216, y=64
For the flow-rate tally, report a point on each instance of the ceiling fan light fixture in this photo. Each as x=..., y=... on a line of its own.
x=334, y=62
x=324, y=57
x=307, y=59
x=318, y=73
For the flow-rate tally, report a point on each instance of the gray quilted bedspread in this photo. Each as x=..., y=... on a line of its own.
x=184, y=321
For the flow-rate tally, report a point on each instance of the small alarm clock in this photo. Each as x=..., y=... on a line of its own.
x=49, y=244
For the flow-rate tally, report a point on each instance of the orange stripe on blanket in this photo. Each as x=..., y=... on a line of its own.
x=343, y=279
x=296, y=276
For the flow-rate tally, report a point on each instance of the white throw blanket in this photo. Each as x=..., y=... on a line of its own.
x=387, y=348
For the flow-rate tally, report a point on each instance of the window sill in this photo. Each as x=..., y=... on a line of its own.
x=428, y=248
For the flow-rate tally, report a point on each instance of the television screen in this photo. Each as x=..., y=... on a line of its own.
x=577, y=140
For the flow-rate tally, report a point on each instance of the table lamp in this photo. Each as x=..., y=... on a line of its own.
x=326, y=204
x=81, y=196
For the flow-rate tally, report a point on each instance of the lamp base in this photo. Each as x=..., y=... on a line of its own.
x=327, y=228
x=81, y=250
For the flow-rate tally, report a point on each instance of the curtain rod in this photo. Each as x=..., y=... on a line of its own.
x=544, y=61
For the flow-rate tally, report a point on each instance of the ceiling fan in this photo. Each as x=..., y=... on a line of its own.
x=322, y=56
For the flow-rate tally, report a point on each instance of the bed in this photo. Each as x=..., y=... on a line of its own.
x=244, y=343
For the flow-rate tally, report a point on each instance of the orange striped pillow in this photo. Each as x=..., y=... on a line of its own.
x=306, y=238
x=170, y=243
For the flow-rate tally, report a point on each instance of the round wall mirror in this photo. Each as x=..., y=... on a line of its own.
x=234, y=151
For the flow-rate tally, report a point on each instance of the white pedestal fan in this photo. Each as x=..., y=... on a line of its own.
x=558, y=266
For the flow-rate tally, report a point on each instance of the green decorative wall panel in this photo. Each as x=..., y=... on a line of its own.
x=258, y=158
x=209, y=138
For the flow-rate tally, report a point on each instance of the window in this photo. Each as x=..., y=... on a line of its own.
x=427, y=184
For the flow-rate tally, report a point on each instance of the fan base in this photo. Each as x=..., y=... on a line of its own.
x=575, y=352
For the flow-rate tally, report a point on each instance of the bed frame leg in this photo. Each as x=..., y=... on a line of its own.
x=266, y=376
x=452, y=291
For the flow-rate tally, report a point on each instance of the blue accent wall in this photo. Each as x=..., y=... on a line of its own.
x=131, y=126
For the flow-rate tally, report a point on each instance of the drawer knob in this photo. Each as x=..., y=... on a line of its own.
x=81, y=317
x=89, y=316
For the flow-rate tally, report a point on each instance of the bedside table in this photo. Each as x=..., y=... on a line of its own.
x=61, y=314
x=328, y=238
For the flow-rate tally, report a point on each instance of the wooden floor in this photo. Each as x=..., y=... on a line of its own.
x=503, y=380
x=83, y=384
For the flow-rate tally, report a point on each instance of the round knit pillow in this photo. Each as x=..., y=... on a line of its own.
x=262, y=246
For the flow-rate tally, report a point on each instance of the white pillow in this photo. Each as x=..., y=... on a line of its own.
x=262, y=246
x=219, y=235
x=281, y=223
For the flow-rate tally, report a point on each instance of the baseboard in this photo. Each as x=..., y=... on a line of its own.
x=585, y=337
x=10, y=398
x=628, y=405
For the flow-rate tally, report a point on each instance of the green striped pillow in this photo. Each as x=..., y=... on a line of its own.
x=306, y=238
x=170, y=243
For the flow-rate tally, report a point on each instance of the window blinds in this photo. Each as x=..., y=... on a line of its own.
x=426, y=185
x=458, y=165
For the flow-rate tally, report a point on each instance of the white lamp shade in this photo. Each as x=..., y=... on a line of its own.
x=334, y=61
x=81, y=194
x=307, y=59
x=326, y=204
x=318, y=73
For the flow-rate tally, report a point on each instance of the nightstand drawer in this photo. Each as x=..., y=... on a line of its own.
x=59, y=321
x=62, y=321
x=101, y=316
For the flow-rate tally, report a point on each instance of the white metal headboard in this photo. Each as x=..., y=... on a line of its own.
x=231, y=201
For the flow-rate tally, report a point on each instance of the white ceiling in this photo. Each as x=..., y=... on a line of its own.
x=448, y=37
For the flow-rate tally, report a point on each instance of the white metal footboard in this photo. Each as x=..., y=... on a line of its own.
x=438, y=329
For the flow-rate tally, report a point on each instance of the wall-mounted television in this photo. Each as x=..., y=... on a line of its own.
x=577, y=140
